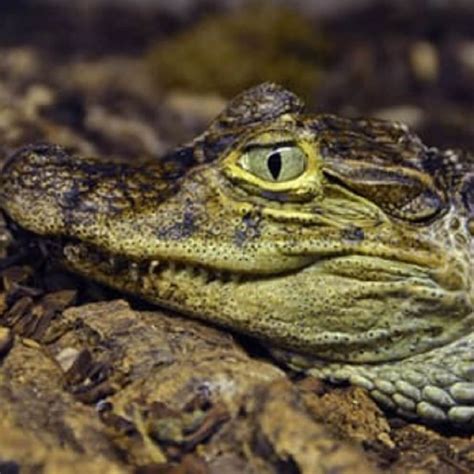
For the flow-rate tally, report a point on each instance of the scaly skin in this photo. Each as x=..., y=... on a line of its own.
x=344, y=244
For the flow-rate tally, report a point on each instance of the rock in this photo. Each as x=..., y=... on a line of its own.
x=276, y=433
x=6, y=341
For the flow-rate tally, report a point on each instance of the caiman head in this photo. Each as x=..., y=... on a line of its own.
x=346, y=239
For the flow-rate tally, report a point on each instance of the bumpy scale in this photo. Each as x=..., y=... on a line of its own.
x=346, y=245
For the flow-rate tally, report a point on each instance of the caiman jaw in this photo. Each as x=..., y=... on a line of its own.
x=271, y=305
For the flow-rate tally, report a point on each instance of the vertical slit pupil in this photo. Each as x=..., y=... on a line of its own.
x=274, y=164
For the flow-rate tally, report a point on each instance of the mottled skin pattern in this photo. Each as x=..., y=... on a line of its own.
x=357, y=267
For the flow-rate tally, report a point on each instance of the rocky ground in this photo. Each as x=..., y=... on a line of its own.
x=94, y=381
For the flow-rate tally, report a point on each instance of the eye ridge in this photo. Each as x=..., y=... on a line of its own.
x=274, y=163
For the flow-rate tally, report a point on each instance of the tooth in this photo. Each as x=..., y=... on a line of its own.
x=172, y=267
x=134, y=274
x=154, y=264
x=146, y=283
x=71, y=250
x=204, y=274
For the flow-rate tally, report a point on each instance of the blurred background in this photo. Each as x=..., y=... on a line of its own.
x=128, y=78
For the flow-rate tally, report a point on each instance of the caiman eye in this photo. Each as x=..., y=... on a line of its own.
x=274, y=164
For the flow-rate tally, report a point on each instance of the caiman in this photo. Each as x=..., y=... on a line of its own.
x=345, y=245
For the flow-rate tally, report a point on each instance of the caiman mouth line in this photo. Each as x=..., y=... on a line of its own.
x=112, y=265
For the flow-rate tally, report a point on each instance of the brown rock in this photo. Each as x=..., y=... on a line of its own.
x=42, y=425
x=275, y=433
x=6, y=341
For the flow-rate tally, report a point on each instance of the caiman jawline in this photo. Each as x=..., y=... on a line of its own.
x=114, y=265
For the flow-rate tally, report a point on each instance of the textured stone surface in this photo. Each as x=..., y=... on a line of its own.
x=6, y=341
x=150, y=387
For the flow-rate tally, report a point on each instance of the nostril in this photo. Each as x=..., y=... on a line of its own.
x=454, y=223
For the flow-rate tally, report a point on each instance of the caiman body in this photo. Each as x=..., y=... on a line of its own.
x=345, y=245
